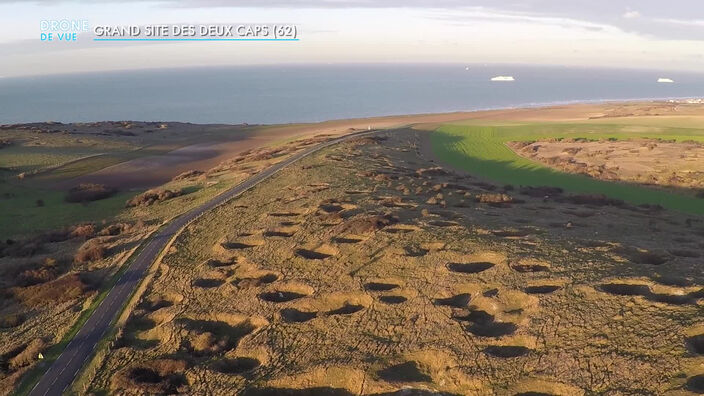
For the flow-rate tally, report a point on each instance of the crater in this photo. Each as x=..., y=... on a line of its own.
x=696, y=343
x=207, y=337
x=512, y=233
x=161, y=376
x=470, y=268
x=415, y=251
x=319, y=253
x=284, y=214
x=144, y=375
x=401, y=229
x=331, y=208
x=281, y=296
x=284, y=233
x=476, y=316
x=255, y=281
x=207, y=283
x=238, y=245
x=443, y=223
x=530, y=266
x=404, y=372
x=346, y=309
x=696, y=384
x=506, y=351
x=237, y=365
x=317, y=391
x=219, y=263
x=492, y=329
x=541, y=289
x=380, y=286
x=347, y=239
x=457, y=301
x=626, y=289
x=393, y=299
x=642, y=256
x=685, y=253
x=293, y=315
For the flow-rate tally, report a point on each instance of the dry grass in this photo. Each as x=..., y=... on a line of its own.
x=328, y=279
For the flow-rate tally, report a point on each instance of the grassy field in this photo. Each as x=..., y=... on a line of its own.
x=481, y=150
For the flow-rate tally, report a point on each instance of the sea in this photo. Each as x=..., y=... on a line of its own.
x=310, y=93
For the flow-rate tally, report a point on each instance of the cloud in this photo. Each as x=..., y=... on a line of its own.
x=630, y=14
x=653, y=18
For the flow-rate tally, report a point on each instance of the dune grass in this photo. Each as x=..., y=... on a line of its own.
x=482, y=150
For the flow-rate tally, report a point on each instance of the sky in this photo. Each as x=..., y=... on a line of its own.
x=591, y=33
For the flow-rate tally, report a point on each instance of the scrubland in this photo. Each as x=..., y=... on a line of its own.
x=369, y=269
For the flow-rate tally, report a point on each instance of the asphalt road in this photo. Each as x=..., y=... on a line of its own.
x=63, y=370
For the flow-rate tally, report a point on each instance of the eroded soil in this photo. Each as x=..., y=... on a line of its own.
x=366, y=269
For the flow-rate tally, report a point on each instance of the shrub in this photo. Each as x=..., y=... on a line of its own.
x=28, y=355
x=87, y=192
x=11, y=320
x=40, y=203
x=153, y=196
x=188, y=175
x=92, y=250
x=83, y=230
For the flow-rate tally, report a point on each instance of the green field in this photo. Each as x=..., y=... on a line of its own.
x=481, y=150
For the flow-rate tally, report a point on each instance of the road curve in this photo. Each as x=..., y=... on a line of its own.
x=63, y=370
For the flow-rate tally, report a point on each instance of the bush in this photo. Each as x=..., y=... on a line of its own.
x=40, y=203
x=83, y=230
x=11, y=320
x=90, y=251
x=87, y=192
x=153, y=196
x=188, y=175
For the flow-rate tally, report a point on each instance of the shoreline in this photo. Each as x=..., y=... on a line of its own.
x=520, y=106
